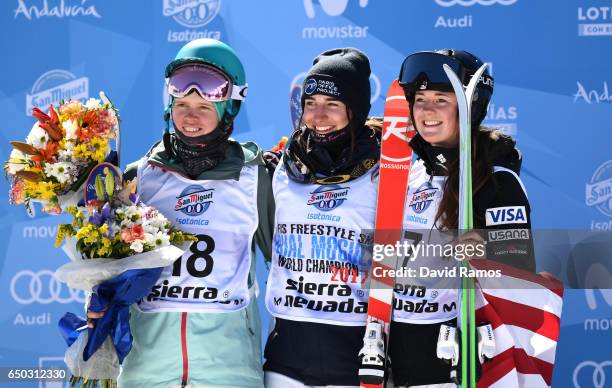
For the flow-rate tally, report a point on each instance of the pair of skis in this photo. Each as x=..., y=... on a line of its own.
x=395, y=163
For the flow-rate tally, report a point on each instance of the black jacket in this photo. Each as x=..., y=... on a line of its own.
x=502, y=214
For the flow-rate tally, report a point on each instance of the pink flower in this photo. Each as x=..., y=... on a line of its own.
x=126, y=236
x=150, y=213
x=107, y=121
x=136, y=232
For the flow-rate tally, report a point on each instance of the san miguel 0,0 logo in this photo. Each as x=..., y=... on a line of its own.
x=193, y=15
x=194, y=200
x=55, y=86
x=422, y=197
x=328, y=197
x=599, y=195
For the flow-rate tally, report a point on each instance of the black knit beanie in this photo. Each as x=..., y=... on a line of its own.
x=344, y=74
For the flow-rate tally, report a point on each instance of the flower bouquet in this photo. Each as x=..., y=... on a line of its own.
x=60, y=150
x=118, y=247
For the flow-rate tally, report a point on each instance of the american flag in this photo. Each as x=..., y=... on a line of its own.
x=524, y=310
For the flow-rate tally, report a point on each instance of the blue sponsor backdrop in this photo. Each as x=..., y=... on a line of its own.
x=551, y=61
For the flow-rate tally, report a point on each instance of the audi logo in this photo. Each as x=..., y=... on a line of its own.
x=469, y=3
x=599, y=372
x=29, y=287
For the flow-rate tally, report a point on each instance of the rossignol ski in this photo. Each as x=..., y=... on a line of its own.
x=395, y=163
x=467, y=318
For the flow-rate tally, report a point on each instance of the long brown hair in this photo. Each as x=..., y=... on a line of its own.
x=482, y=172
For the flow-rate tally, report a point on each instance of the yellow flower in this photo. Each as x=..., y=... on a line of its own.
x=88, y=233
x=63, y=231
x=83, y=231
x=105, y=249
x=95, y=149
x=99, y=148
x=104, y=228
x=41, y=190
x=47, y=190
x=81, y=151
x=60, y=236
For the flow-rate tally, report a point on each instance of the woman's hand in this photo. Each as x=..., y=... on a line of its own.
x=92, y=316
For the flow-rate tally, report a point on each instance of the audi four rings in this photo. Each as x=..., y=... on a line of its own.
x=599, y=372
x=469, y=3
x=29, y=287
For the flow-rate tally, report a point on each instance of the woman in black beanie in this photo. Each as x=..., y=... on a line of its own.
x=325, y=192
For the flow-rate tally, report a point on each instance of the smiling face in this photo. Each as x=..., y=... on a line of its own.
x=324, y=114
x=436, y=117
x=194, y=116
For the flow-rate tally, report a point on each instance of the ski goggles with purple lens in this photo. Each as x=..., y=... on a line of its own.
x=424, y=70
x=211, y=83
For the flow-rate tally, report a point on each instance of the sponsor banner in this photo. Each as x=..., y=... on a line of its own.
x=37, y=9
x=501, y=116
x=194, y=16
x=28, y=287
x=332, y=8
x=465, y=21
x=589, y=373
x=55, y=86
x=598, y=194
x=594, y=21
x=329, y=7
x=192, y=13
x=592, y=95
x=469, y=3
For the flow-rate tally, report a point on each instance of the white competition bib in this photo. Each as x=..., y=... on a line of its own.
x=424, y=297
x=322, y=244
x=212, y=275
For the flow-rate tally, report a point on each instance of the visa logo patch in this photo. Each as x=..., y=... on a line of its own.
x=506, y=215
